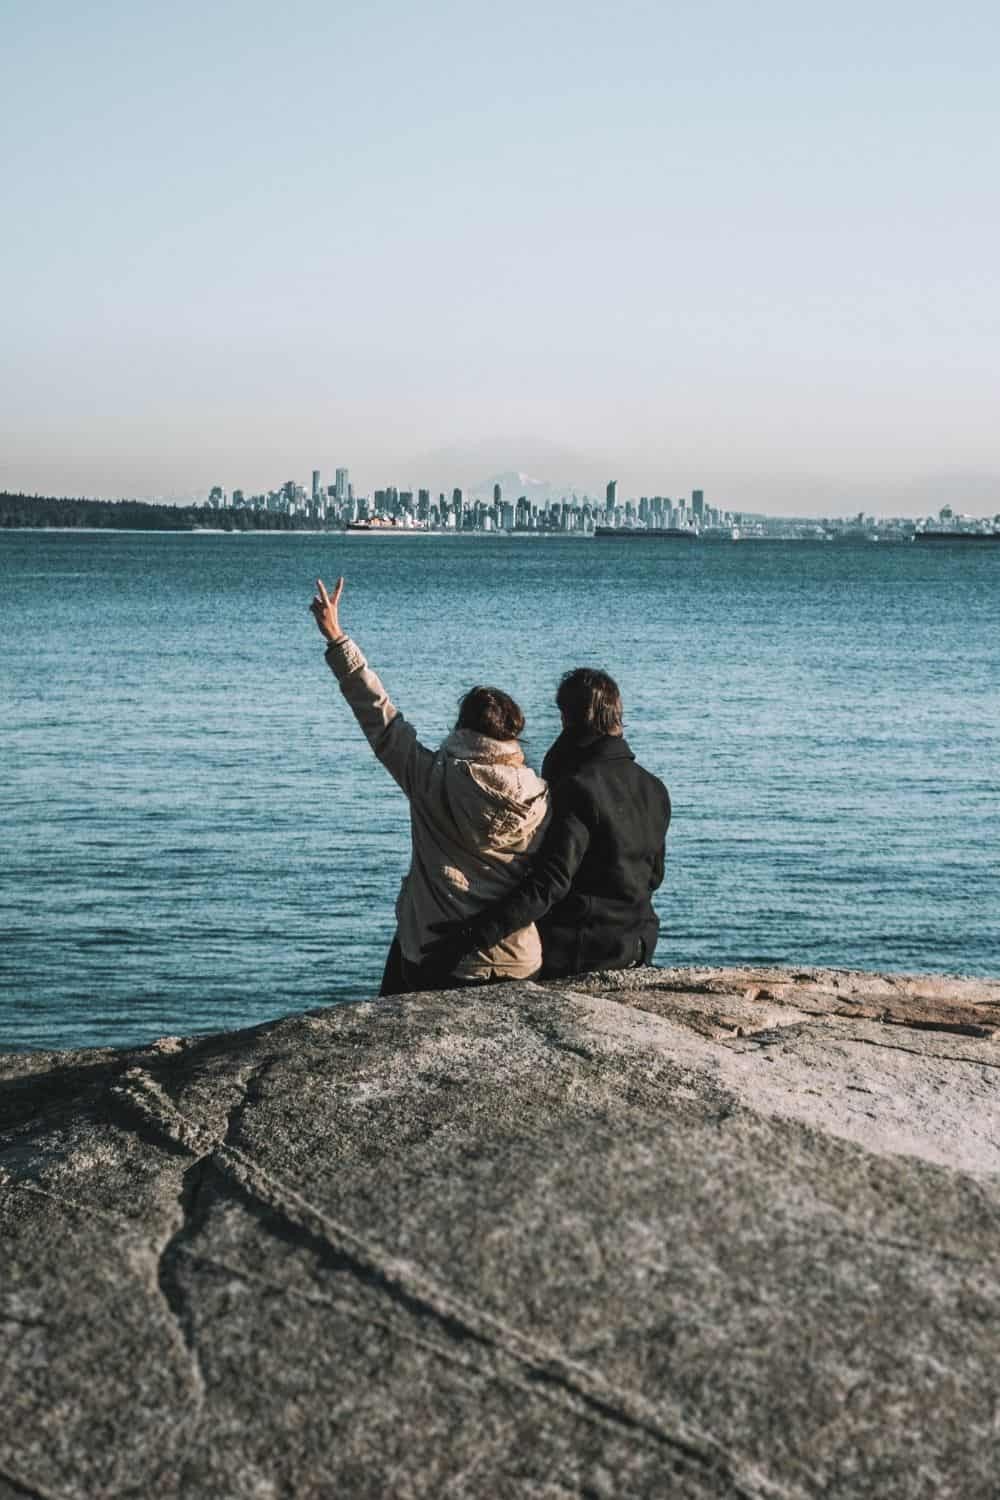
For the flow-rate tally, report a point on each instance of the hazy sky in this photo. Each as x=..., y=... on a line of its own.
x=752, y=248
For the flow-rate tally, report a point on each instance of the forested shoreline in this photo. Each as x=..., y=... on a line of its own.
x=41, y=511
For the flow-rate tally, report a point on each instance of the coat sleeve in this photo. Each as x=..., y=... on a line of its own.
x=393, y=738
x=656, y=874
x=552, y=872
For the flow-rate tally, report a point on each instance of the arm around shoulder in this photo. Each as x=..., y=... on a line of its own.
x=552, y=872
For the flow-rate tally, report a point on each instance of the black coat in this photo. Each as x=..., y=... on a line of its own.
x=602, y=858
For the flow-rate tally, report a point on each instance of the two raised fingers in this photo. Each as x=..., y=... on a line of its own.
x=324, y=597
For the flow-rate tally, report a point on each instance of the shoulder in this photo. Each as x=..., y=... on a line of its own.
x=655, y=787
x=653, y=781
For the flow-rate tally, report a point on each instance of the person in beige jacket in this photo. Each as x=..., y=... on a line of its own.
x=477, y=815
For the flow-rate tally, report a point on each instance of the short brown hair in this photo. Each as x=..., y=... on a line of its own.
x=487, y=710
x=590, y=700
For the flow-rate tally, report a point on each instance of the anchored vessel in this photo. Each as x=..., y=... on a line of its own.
x=956, y=536
x=649, y=532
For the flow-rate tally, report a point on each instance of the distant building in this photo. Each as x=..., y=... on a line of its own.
x=497, y=494
x=342, y=487
x=698, y=502
x=611, y=494
x=316, y=488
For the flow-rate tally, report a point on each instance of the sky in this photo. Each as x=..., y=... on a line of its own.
x=750, y=249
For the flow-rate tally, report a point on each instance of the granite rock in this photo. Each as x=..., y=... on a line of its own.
x=686, y=1233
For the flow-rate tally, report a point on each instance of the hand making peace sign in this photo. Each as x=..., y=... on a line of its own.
x=324, y=610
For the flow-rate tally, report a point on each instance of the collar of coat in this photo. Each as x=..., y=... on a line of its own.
x=466, y=744
x=572, y=750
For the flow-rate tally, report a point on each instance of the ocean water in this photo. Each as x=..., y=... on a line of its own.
x=194, y=834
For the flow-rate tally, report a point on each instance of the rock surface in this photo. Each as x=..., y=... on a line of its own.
x=661, y=1233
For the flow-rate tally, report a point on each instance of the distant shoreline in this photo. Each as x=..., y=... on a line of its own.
x=938, y=537
x=300, y=531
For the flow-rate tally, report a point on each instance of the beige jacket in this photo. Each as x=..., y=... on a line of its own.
x=477, y=815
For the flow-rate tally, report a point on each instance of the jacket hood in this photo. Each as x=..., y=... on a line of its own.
x=497, y=801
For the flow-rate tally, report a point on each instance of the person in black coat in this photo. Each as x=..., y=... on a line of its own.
x=592, y=880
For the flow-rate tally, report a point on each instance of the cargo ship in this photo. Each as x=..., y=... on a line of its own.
x=956, y=536
x=650, y=533
x=388, y=528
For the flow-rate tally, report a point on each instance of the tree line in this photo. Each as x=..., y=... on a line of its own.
x=139, y=515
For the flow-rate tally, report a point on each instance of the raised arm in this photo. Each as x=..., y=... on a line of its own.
x=392, y=738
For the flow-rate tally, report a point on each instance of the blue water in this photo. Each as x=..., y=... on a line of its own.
x=194, y=834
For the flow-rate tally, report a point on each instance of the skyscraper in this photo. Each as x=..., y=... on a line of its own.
x=698, y=503
x=497, y=494
x=611, y=494
x=342, y=486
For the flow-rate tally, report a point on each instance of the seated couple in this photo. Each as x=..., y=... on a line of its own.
x=513, y=876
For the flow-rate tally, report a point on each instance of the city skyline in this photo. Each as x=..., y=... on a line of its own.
x=492, y=506
x=752, y=248
x=488, y=507
x=972, y=493
x=493, y=503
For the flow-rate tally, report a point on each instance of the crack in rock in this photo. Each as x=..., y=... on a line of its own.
x=140, y=1094
x=973, y=1062
x=194, y=1205
x=186, y=1225
x=23, y=1487
x=251, y=1094
x=417, y=1291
